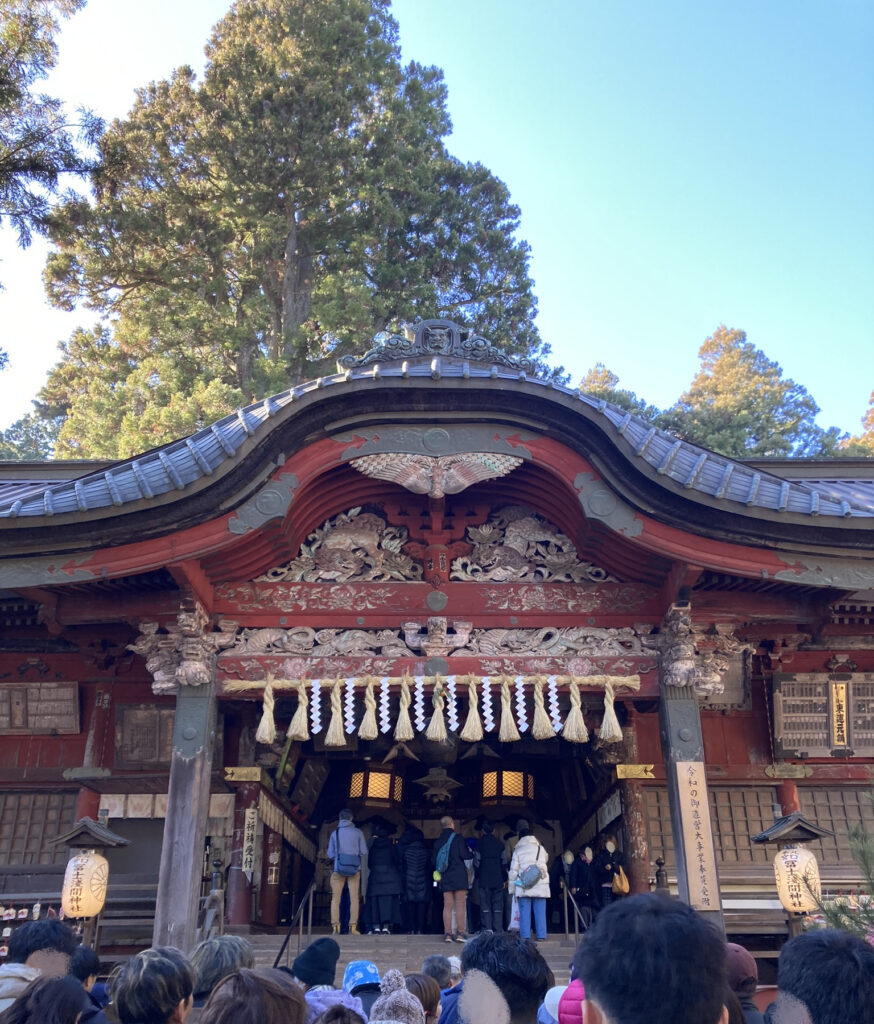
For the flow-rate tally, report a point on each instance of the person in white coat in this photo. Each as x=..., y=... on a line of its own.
x=532, y=898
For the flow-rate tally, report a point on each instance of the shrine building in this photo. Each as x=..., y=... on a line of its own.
x=432, y=583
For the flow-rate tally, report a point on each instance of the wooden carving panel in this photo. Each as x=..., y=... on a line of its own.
x=817, y=714
x=143, y=735
x=51, y=708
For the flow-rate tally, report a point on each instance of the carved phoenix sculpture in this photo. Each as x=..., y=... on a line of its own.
x=436, y=475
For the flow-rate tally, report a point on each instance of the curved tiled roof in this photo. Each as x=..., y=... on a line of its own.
x=178, y=466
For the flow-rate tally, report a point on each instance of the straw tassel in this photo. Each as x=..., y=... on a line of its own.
x=335, y=736
x=610, y=731
x=508, y=733
x=473, y=726
x=436, y=731
x=368, y=729
x=542, y=728
x=404, y=729
x=299, y=730
x=266, y=731
x=575, y=730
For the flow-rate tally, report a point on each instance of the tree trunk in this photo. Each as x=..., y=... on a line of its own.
x=297, y=285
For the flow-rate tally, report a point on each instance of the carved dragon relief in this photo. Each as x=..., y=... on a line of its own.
x=354, y=545
x=518, y=544
x=695, y=657
x=181, y=653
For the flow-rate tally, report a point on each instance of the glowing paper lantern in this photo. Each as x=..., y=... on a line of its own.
x=797, y=875
x=85, y=881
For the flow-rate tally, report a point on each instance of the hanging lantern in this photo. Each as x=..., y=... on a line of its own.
x=85, y=881
x=797, y=874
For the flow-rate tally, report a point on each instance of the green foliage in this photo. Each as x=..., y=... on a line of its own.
x=37, y=143
x=740, y=404
x=862, y=445
x=599, y=382
x=30, y=439
x=278, y=214
x=855, y=915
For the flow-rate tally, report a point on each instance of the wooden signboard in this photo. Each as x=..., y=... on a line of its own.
x=37, y=708
x=697, y=836
x=819, y=714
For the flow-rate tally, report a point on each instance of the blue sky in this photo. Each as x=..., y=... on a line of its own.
x=678, y=165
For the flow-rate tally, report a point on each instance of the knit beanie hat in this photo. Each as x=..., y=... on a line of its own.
x=396, y=1005
x=360, y=972
x=317, y=964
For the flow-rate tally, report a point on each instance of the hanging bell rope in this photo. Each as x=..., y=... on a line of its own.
x=404, y=729
x=472, y=732
x=335, y=736
x=266, y=731
x=299, y=730
x=575, y=730
x=541, y=728
x=610, y=731
x=436, y=731
x=508, y=732
x=368, y=729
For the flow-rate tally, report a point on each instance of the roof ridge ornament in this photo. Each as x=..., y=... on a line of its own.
x=430, y=338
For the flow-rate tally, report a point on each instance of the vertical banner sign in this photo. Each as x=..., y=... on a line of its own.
x=697, y=836
x=839, y=715
x=249, y=829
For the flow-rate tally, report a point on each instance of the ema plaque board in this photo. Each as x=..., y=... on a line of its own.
x=39, y=708
x=819, y=714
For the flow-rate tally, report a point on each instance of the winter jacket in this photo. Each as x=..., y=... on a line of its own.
x=382, y=861
x=570, y=1006
x=415, y=866
x=492, y=857
x=604, y=867
x=346, y=838
x=321, y=998
x=449, y=1004
x=581, y=881
x=14, y=979
x=529, y=850
x=455, y=875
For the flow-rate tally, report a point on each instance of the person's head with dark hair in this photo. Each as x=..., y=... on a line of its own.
x=522, y=827
x=650, y=959
x=437, y=967
x=338, y=1015
x=515, y=965
x=216, y=958
x=487, y=827
x=427, y=991
x=153, y=987
x=46, y=945
x=831, y=973
x=345, y=815
x=48, y=1001
x=85, y=965
x=259, y=996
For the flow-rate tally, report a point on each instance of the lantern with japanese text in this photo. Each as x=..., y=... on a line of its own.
x=797, y=874
x=85, y=881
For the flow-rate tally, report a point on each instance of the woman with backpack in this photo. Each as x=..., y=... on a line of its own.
x=529, y=881
x=450, y=861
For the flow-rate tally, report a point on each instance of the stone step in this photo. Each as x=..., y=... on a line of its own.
x=405, y=952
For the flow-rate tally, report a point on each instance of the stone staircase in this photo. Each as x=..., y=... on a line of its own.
x=405, y=952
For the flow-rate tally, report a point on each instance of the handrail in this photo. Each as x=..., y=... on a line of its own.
x=297, y=919
x=579, y=917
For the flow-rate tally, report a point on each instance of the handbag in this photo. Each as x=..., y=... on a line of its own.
x=620, y=884
x=531, y=875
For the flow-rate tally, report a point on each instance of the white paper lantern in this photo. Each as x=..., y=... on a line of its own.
x=85, y=881
x=797, y=875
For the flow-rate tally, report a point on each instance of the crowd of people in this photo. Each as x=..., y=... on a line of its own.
x=485, y=882
x=648, y=959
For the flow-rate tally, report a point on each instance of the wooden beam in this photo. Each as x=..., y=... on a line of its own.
x=190, y=575
x=682, y=576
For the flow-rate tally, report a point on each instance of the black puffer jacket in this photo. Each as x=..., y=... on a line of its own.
x=415, y=865
x=454, y=877
x=385, y=876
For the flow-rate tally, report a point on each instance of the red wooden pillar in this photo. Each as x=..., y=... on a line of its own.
x=634, y=817
x=787, y=794
x=87, y=804
x=271, y=865
x=239, y=893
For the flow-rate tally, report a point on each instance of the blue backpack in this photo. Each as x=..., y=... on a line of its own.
x=442, y=860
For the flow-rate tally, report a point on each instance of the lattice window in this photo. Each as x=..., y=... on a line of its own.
x=735, y=813
x=513, y=784
x=379, y=785
x=28, y=821
x=356, y=786
x=836, y=808
x=490, y=785
x=398, y=789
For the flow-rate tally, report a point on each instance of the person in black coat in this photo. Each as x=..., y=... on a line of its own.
x=605, y=867
x=453, y=879
x=415, y=870
x=491, y=873
x=384, y=881
x=581, y=885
